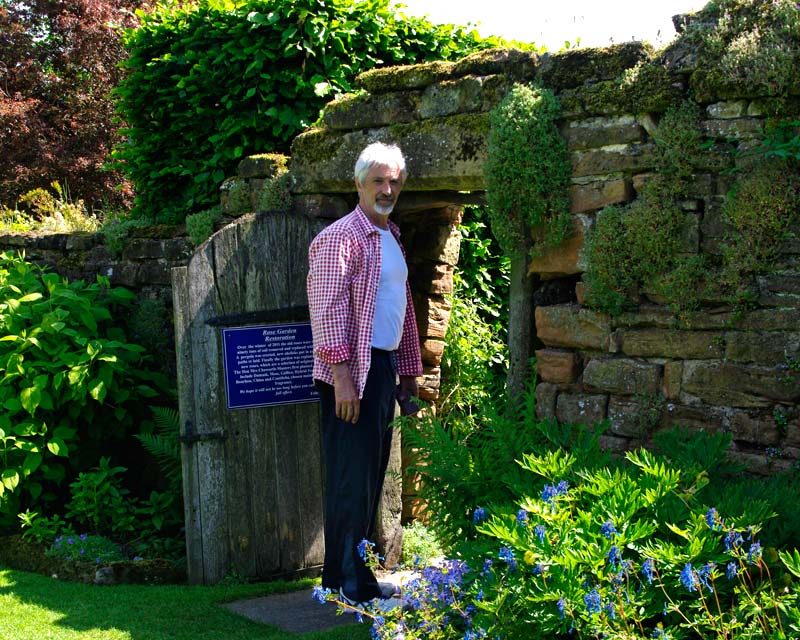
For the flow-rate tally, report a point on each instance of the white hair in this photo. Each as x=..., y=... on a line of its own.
x=380, y=154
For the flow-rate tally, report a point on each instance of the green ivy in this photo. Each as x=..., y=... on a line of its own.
x=213, y=81
x=527, y=171
x=71, y=383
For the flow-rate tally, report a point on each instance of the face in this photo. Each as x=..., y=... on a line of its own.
x=378, y=194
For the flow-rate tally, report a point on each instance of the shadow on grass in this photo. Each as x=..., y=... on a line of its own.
x=35, y=606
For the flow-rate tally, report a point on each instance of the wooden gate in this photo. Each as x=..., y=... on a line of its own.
x=252, y=477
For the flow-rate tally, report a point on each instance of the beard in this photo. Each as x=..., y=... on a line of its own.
x=384, y=208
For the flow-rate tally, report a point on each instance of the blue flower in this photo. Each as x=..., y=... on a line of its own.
x=487, y=564
x=689, y=578
x=82, y=536
x=593, y=602
x=538, y=530
x=648, y=568
x=713, y=520
x=754, y=555
x=704, y=573
x=363, y=547
x=506, y=554
x=550, y=492
x=562, y=607
x=659, y=634
x=479, y=515
x=733, y=539
x=732, y=570
x=320, y=595
x=608, y=529
x=477, y=634
x=610, y=610
x=522, y=518
x=614, y=556
x=70, y=541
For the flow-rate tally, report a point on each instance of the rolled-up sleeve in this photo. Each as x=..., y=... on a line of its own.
x=329, y=260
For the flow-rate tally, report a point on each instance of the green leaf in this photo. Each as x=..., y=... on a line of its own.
x=97, y=389
x=31, y=463
x=57, y=447
x=10, y=479
x=791, y=559
x=30, y=399
x=31, y=297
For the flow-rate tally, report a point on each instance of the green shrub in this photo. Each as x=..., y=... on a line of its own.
x=420, y=546
x=200, y=226
x=570, y=544
x=116, y=231
x=85, y=548
x=72, y=385
x=527, y=171
x=45, y=212
x=210, y=82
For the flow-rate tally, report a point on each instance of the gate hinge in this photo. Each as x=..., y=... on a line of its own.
x=189, y=436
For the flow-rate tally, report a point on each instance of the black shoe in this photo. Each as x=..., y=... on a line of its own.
x=388, y=590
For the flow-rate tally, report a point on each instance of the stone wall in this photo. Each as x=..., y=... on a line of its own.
x=642, y=371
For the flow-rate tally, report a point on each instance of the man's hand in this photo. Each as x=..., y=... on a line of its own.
x=408, y=389
x=348, y=405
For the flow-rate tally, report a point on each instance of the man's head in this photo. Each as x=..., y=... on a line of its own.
x=380, y=173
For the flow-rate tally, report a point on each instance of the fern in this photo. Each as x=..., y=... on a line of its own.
x=163, y=445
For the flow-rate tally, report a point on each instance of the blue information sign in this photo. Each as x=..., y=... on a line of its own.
x=268, y=365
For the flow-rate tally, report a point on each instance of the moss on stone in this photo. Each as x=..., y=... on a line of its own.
x=262, y=165
x=404, y=77
x=520, y=65
x=576, y=67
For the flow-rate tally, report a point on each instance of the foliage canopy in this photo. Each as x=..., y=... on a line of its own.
x=210, y=82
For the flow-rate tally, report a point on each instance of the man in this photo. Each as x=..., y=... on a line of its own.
x=365, y=335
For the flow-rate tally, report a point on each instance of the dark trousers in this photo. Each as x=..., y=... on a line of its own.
x=356, y=457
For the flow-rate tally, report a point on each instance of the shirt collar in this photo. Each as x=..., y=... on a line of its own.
x=366, y=227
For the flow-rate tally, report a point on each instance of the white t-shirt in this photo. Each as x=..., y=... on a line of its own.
x=390, y=307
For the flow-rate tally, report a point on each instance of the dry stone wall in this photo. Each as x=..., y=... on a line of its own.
x=720, y=368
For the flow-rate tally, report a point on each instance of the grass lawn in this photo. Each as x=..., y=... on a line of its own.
x=35, y=607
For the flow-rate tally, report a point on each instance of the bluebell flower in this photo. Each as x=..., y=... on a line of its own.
x=522, y=518
x=538, y=530
x=593, y=602
x=363, y=547
x=320, y=595
x=479, y=515
x=506, y=554
x=614, y=556
x=704, y=573
x=688, y=577
x=608, y=529
x=550, y=492
x=648, y=568
x=754, y=555
x=712, y=519
x=562, y=607
x=732, y=570
x=487, y=564
x=733, y=539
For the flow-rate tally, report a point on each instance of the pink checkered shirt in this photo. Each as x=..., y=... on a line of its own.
x=344, y=270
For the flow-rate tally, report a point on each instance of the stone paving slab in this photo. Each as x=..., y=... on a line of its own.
x=298, y=612
x=295, y=611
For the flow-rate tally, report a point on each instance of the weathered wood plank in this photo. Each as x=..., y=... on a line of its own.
x=264, y=492
x=208, y=402
x=288, y=476
x=185, y=373
x=310, y=482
